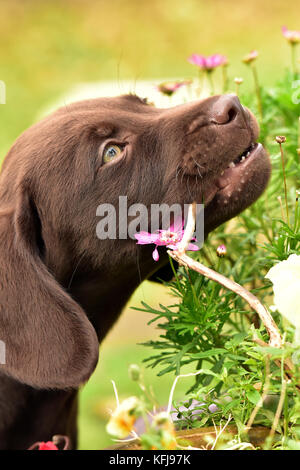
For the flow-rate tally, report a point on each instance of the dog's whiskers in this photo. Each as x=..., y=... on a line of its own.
x=74, y=272
x=198, y=167
x=178, y=170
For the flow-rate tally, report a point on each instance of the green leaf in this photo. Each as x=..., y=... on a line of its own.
x=253, y=396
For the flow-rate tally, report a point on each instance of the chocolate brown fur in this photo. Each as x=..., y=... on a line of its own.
x=61, y=288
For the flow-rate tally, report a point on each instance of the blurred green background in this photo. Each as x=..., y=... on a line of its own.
x=47, y=47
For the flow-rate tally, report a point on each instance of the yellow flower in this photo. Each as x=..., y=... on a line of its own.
x=123, y=418
x=163, y=422
x=285, y=277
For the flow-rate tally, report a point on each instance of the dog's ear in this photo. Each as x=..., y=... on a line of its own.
x=49, y=341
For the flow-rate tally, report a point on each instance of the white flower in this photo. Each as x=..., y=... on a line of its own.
x=123, y=418
x=285, y=277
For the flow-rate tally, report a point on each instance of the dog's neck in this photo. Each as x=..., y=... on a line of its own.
x=102, y=293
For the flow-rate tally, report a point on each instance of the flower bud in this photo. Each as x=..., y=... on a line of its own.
x=280, y=139
x=250, y=57
x=238, y=80
x=134, y=372
x=221, y=251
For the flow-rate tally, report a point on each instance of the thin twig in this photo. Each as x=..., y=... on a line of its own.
x=284, y=181
x=174, y=385
x=180, y=256
x=218, y=434
x=260, y=402
x=116, y=393
x=288, y=365
x=278, y=411
x=264, y=315
x=189, y=229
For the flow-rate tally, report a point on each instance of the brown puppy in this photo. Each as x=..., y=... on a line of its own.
x=61, y=288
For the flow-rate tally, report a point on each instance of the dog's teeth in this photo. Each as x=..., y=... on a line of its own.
x=231, y=165
x=222, y=173
x=243, y=158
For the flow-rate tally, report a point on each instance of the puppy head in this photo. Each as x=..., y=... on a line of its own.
x=85, y=155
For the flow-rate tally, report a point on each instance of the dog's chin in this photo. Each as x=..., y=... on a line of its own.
x=237, y=187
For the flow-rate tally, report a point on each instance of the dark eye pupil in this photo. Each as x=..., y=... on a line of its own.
x=112, y=152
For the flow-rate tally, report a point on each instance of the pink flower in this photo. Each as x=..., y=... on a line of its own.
x=221, y=251
x=207, y=63
x=47, y=446
x=169, y=238
x=250, y=57
x=59, y=442
x=292, y=36
x=168, y=88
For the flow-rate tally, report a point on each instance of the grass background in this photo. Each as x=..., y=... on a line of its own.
x=47, y=47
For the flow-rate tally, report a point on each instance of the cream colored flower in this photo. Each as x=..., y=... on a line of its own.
x=238, y=80
x=163, y=421
x=285, y=277
x=165, y=427
x=123, y=418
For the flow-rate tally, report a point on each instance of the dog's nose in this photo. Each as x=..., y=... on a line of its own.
x=226, y=109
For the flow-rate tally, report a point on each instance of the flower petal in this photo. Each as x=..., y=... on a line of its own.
x=177, y=226
x=47, y=446
x=192, y=247
x=173, y=247
x=285, y=277
x=155, y=254
x=145, y=238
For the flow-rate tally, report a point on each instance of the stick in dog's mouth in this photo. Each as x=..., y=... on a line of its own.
x=184, y=260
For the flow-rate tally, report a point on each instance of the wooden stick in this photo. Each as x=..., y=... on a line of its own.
x=184, y=260
x=189, y=230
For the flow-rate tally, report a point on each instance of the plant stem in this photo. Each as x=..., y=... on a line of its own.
x=296, y=211
x=285, y=189
x=209, y=76
x=175, y=274
x=266, y=318
x=281, y=208
x=180, y=256
x=263, y=396
x=174, y=385
x=257, y=91
x=225, y=78
x=293, y=57
x=200, y=83
x=189, y=228
x=278, y=413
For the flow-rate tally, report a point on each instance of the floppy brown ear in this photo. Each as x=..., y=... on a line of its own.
x=49, y=341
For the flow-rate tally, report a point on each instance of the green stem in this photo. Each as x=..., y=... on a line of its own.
x=296, y=213
x=257, y=91
x=293, y=57
x=200, y=83
x=196, y=300
x=225, y=78
x=285, y=188
x=175, y=274
x=209, y=76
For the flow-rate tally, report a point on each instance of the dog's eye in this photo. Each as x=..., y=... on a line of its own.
x=110, y=152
